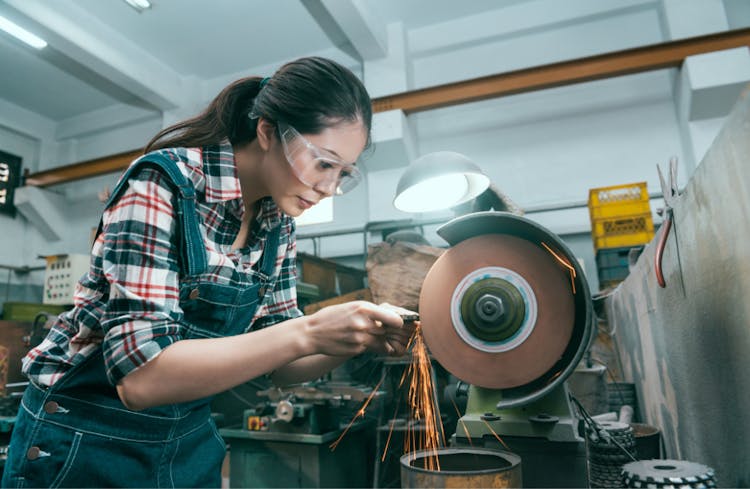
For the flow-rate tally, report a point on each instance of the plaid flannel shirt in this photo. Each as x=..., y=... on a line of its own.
x=128, y=302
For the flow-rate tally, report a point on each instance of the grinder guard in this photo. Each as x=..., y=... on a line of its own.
x=511, y=228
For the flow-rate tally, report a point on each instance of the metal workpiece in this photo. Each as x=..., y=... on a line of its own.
x=409, y=317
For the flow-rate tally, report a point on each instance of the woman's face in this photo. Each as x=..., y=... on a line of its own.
x=301, y=169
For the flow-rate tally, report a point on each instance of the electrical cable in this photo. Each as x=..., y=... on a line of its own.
x=251, y=383
x=612, y=377
x=597, y=429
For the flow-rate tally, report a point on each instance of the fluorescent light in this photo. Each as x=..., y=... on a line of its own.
x=22, y=34
x=139, y=5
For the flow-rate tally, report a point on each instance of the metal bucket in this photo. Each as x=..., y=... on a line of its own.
x=461, y=467
x=647, y=441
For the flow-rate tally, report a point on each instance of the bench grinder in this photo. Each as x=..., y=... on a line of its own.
x=507, y=310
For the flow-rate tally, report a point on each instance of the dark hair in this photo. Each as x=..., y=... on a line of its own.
x=309, y=94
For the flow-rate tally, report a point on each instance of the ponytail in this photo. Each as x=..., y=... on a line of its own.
x=309, y=94
x=225, y=117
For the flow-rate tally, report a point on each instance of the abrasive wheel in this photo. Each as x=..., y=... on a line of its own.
x=498, y=310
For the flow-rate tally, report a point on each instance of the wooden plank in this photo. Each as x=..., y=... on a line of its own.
x=395, y=272
x=647, y=58
x=330, y=277
x=13, y=336
x=84, y=169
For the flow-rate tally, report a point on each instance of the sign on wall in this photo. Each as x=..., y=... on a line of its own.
x=10, y=177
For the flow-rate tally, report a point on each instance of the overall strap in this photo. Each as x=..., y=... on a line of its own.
x=192, y=248
x=271, y=251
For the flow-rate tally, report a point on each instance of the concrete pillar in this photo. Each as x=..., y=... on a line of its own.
x=395, y=144
x=708, y=85
x=390, y=74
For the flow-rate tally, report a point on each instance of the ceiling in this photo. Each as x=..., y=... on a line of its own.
x=107, y=62
x=187, y=41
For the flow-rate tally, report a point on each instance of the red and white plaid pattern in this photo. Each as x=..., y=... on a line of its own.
x=128, y=302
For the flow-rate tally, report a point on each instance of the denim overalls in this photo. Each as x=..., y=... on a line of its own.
x=77, y=433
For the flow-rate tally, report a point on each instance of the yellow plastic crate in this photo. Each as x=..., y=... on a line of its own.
x=616, y=232
x=619, y=200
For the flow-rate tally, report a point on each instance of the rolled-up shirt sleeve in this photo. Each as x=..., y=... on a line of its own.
x=140, y=260
x=282, y=303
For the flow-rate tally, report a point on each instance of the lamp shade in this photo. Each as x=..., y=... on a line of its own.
x=438, y=181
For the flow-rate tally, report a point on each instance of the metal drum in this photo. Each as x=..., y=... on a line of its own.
x=461, y=467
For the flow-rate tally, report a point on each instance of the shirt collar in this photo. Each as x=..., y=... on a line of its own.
x=269, y=214
x=220, y=172
x=223, y=184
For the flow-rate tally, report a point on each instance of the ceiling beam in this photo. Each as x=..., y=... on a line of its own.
x=350, y=23
x=330, y=27
x=84, y=169
x=666, y=55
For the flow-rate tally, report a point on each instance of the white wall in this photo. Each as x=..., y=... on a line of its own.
x=547, y=149
x=556, y=158
x=549, y=34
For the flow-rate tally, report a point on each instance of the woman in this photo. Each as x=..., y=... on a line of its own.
x=191, y=289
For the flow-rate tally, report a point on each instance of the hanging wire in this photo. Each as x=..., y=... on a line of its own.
x=598, y=430
x=612, y=378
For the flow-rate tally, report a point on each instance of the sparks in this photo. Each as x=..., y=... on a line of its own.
x=359, y=414
x=424, y=429
x=497, y=437
x=566, y=265
x=390, y=432
x=426, y=433
x=463, y=425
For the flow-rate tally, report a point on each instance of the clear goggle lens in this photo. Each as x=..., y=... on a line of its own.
x=316, y=167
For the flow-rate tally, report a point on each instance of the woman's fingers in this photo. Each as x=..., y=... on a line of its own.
x=352, y=327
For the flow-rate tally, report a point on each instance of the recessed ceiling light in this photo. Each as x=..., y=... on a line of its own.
x=22, y=34
x=139, y=5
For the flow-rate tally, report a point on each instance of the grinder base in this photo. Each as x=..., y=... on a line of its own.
x=543, y=433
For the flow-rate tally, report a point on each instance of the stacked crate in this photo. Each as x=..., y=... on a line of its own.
x=621, y=224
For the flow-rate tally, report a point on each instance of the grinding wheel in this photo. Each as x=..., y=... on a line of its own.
x=497, y=310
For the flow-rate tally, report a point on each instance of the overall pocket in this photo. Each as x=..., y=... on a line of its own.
x=198, y=458
x=214, y=309
x=47, y=458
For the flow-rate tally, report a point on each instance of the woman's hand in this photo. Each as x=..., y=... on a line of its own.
x=398, y=338
x=354, y=327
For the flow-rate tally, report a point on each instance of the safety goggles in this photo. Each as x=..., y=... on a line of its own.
x=316, y=167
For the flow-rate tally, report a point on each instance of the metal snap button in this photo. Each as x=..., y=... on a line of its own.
x=194, y=294
x=51, y=407
x=33, y=453
x=261, y=292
